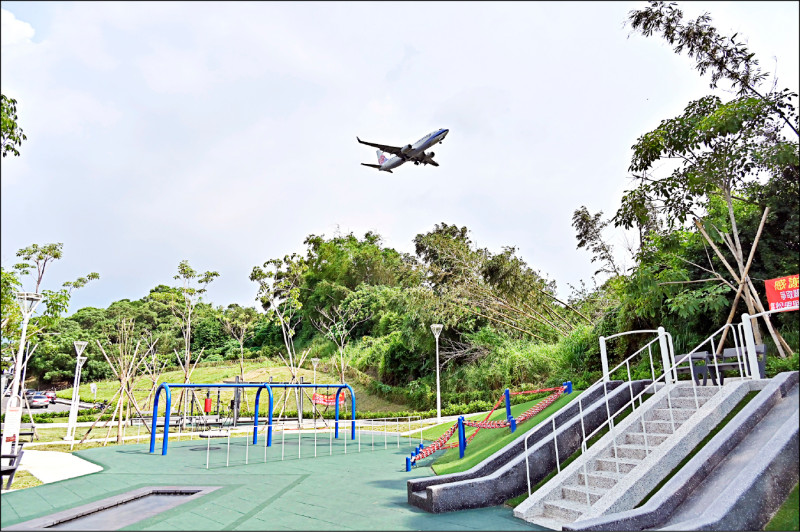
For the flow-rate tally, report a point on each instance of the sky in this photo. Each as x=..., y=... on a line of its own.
x=225, y=133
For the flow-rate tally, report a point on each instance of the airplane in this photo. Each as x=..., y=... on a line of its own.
x=410, y=152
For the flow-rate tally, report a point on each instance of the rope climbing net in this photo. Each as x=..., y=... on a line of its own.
x=441, y=442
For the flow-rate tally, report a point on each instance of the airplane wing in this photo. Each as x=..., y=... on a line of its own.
x=431, y=161
x=394, y=150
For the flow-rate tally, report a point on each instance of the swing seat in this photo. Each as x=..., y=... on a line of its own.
x=327, y=400
x=216, y=433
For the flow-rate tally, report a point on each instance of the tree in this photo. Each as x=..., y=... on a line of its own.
x=183, y=301
x=337, y=324
x=725, y=58
x=56, y=301
x=279, y=282
x=720, y=148
x=590, y=235
x=12, y=135
x=500, y=288
x=239, y=323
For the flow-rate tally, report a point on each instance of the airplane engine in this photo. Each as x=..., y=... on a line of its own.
x=431, y=154
x=406, y=148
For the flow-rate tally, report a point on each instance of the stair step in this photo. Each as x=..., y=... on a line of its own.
x=661, y=427
x=689, y=391
x=564, y=509
x=667, y=414
x=546, y=523
x=632, y=451
x=687, y=402
x=638, y=438
x=600, y=479
x=577, y=493
x=623, y=465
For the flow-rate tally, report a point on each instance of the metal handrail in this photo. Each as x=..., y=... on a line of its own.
x=671, y=369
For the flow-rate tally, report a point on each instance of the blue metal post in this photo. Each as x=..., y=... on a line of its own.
x=568, y=384
x=155, y=415
x=352, y=410
x=255, y=420
x=408, y=463
x=462, y=440
x=509, y=417
x=168, y=406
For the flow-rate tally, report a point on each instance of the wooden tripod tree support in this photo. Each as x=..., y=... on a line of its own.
x=745, y=285
x=125, y=365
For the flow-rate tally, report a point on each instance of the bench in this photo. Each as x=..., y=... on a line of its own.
x=11, y=469
x=734, y=358
x=697, y=370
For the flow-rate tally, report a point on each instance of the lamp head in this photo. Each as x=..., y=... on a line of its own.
x=79, y=347
x=436, y=329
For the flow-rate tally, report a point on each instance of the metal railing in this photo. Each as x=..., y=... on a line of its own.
x=667, y=377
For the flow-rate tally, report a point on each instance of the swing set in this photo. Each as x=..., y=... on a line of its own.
x=338, y=400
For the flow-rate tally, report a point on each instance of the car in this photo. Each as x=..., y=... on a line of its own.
x=51, y=395
x=38, y=400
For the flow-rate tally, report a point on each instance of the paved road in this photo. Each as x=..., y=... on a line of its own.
x=59, y=406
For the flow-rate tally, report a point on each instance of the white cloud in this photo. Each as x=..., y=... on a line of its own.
x=225, y=133
x=14, y=31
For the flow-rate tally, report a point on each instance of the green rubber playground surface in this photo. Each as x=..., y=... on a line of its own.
x=360, y=490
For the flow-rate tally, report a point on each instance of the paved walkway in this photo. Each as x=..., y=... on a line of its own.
x=52, y=466
x=363, y=490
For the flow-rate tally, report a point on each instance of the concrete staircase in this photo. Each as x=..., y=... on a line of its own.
x=618, y=471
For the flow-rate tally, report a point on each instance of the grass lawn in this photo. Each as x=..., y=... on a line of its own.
x=253, y=371
x=22, y=479
x=489, y=441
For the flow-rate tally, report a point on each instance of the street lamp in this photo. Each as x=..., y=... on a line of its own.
x=436, y=328
x=73, y=408
x=28, y=301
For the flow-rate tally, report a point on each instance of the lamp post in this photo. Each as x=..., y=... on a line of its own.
x=73, y=408
x=436, y=329
x=28, y=301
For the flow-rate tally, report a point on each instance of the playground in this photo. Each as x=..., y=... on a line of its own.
x=335, y=491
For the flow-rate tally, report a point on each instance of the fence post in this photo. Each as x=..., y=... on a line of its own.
x=462, y=440
x=604, y=358
x=507, y=395
x=669, y=372
x=750, y=344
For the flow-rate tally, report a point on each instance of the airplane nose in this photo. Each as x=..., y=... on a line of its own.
x=445, y=132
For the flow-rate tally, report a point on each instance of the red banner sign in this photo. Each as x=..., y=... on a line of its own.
x=783, y=292
x=328, y=400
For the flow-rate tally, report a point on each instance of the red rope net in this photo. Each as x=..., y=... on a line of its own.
x=441, y=442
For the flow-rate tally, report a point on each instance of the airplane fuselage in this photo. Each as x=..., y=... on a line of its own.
x=416, y=150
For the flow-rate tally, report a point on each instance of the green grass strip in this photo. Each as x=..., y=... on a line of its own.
x=488, y=441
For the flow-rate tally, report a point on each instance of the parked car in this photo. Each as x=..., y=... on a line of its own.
x=29, y=393
x=51, y=394
x=38, y=400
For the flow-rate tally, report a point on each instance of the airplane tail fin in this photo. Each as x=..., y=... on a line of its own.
x=381, y=157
